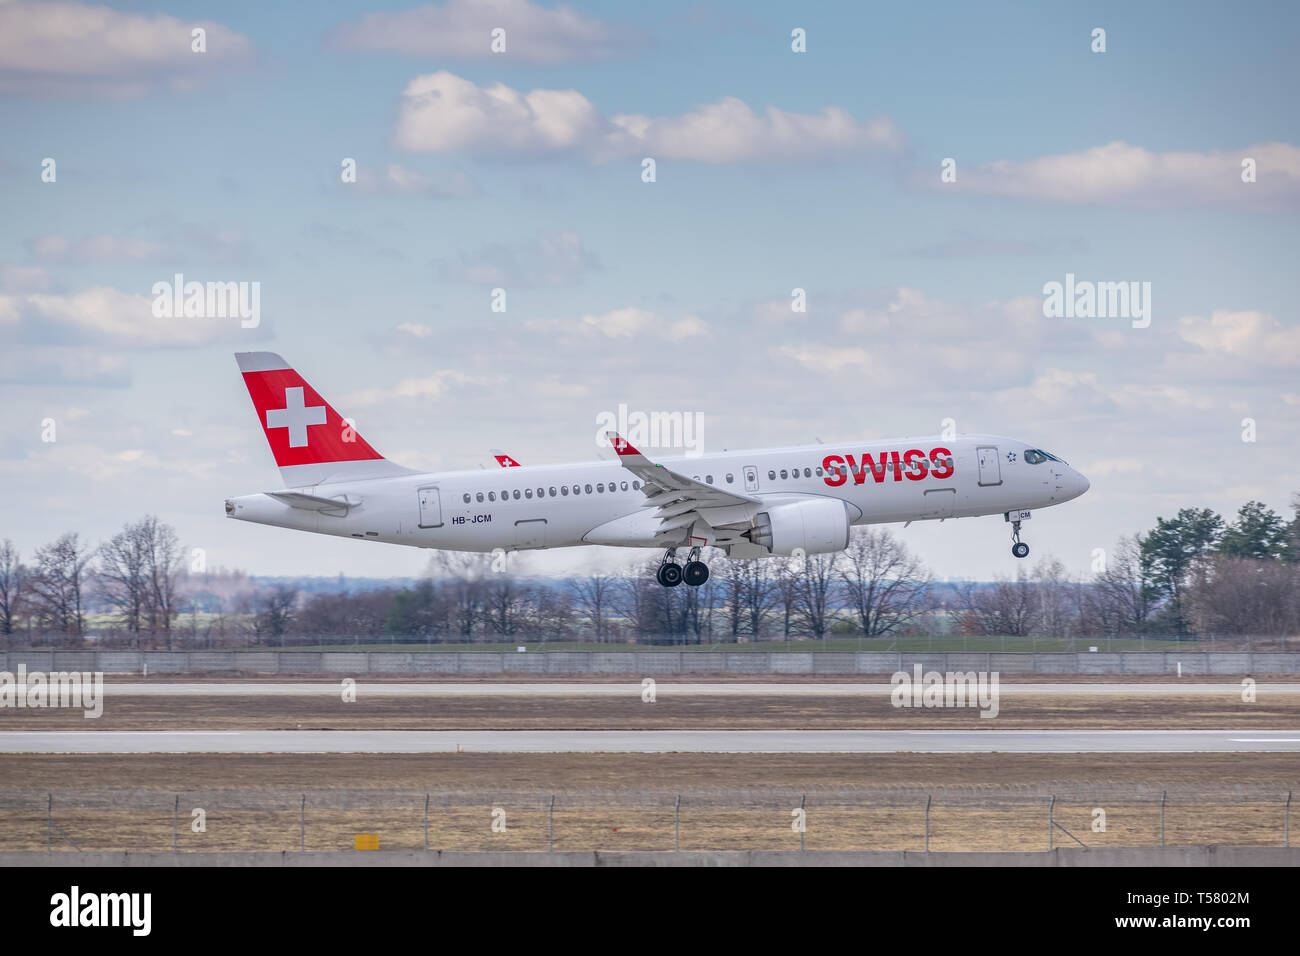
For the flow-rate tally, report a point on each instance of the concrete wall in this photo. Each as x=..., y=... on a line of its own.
x=1198, y=856
x=643, y=663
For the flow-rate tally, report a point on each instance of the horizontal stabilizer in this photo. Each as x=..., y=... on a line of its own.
x=296, y=499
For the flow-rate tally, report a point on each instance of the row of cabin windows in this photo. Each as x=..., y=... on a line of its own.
x=785, y=474
x=564, y=490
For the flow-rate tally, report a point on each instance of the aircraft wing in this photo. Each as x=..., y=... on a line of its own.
x=690, y=512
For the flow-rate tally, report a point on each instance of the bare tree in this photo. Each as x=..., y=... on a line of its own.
x=13, y=586
x=1005, y=607
x=594, y=595
x=886, y=586
x=121, y=577
x=56, y=585
x=163, y=553
x=1118, y=601
x=813, y=587
x=1246, y=596
x=275, y=608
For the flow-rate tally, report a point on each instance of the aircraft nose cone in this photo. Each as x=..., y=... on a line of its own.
x=1081, y=484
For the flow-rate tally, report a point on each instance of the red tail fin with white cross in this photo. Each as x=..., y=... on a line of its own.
x=311, y=442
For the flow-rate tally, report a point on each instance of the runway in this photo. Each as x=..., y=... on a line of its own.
x=662, y=688
x=653, y=741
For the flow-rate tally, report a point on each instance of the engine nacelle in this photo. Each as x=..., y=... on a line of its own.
x=815, y=526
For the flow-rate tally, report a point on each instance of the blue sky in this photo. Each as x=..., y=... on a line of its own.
x=923, y=296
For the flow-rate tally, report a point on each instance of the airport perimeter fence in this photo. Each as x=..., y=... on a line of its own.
x=948, y=820
x=646, y=663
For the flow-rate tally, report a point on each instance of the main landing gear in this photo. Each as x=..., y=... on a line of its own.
x=1019, y=549
x=670, y=573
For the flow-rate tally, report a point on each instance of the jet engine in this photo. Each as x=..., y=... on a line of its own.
x=815, y=526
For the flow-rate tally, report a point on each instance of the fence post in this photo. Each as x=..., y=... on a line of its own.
x=1050, y=821
x=1287, y=821
x=302, y=825
x=176, y=814
x=426, y=821
x=1163, y=794
x=802, y=801
x=550, y=827
x=928, y=798
x=677, y=818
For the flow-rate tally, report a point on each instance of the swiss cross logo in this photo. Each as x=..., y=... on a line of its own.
x=295, y=416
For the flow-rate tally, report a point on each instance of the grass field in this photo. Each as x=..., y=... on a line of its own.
x=604, y=801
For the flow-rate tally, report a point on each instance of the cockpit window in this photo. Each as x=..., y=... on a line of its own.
x=1035, y=456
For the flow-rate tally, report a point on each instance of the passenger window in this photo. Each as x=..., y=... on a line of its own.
x=600, y=487
x=587, y=489
x=515, y=494
x=782, y=472
x=467, y=497
x=479, y=497
x=771, y=475
x=564, y=490
x=492, y=496
x=623, y=485
x=807, y=472
x=552, y=491
x=636, y=486
x=505, y=496
x=528, y=492
x=541, y=492
x=730, y=478
x=576, y=489
x=709, y=479
x=819, y=473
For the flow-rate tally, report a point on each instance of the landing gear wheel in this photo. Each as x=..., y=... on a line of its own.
x=695, y=573
x=669, y=574
x=1019, y=549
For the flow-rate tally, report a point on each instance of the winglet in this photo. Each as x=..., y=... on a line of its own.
x=622, y=447
x=504, y=460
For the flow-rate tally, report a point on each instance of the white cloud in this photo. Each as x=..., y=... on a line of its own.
x=462, y=29
x=425, y=387
x=441, y=112
x=1118, y=171
x=1252, y=336
x=551, y=259
x=416, y=330
x=105, y=315
x=624, y=323
x=76, y=48
x=45, y=367
x=96, y=250
x=396, y=178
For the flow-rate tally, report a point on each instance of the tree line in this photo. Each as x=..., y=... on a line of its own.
x=1192, y=575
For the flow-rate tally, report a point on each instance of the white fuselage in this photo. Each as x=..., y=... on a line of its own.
x=556, y=506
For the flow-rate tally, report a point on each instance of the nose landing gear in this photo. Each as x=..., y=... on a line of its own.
x=1019, y=549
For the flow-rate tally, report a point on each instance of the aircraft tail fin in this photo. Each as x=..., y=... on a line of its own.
x=311, y=442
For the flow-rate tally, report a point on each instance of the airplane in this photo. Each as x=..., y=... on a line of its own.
x=799, y=500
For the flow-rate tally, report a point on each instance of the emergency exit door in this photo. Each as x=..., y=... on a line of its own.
x=430, y=508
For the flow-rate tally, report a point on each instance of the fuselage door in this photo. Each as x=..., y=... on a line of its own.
x=430, y=508
x=751, y=478
x=990, y=465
